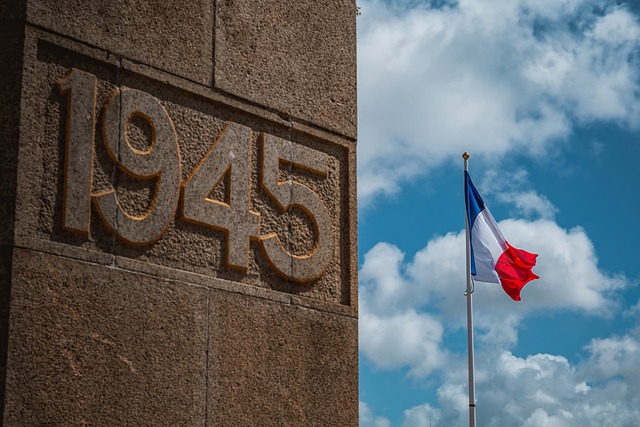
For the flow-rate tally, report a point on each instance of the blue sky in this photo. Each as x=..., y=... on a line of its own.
x=545, y=95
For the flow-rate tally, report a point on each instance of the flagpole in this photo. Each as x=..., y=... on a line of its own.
x=469, y=294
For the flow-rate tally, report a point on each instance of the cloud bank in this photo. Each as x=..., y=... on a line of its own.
x=407, y=306
x=492, y=77
x=440, y=77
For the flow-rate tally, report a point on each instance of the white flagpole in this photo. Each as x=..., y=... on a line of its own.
x=469, y=294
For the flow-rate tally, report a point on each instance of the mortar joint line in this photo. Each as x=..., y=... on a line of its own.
x=290, y=182
x=206, y=360
x=114, y=176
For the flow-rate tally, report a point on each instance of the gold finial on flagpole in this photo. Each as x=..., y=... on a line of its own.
x=465, y=155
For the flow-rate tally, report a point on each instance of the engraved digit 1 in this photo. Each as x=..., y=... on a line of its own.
x=230, y=155
x=161, y=163
x=289, y=194
x=78, y=159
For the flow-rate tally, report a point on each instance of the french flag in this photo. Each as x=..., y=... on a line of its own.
x=493, y=259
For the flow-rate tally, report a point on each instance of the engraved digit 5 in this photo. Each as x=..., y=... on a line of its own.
x=230, y=155
x=289, y=194
x=78, y=159
x=161, y=162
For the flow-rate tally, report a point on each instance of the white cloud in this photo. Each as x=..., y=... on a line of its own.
x=489, y=77
x=368, y=419
x=616, y=356
x=537, y=390
x=512, y=187
x=540, y=418
x=542, y=390
x=567, y=266
x=403, y=339
x=382, y=281
x=407, y=306
x=421, y=416
x=531, y=203
x=395, y=333
x=547, y=390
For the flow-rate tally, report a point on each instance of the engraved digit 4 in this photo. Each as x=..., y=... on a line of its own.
x=229, y=156
x=161, y=163
x=289, y=194
x=78, y=159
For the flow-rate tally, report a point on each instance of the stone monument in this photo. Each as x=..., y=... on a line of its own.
x=178, y=213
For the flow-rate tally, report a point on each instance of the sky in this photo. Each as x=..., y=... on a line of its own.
x=545, y=96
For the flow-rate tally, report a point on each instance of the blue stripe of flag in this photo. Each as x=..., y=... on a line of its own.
x=475, y=205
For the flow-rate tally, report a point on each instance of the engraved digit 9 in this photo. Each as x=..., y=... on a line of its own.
x=78, y=159
x=230, y=155
x=161, y=162
x=289, y=194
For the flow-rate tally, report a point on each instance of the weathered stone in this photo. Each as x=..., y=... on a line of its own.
x=289, y=194
x=135, y=190
x=280, y=365
x=93, y=345
x=297, y=57
x=78, y=159
x=160, y=163
x=173, y=251
x=6, y=255
x=230, y=157
x=173, y=36
x=12, y=36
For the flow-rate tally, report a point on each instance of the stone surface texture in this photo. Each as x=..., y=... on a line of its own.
x=11, y=61
x=297, y=57
x=174, y=36
x=277, y=359
x=103, y=346
x=178, y=238
x=195, y=126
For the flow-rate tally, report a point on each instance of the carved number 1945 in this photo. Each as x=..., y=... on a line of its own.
x=229, y=156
